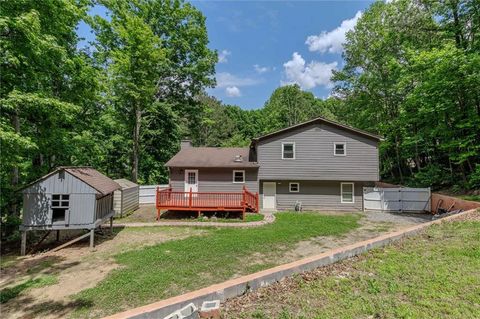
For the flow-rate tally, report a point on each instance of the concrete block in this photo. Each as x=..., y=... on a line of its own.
x=210, y=310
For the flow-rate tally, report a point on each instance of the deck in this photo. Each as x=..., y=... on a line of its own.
x=244, y=201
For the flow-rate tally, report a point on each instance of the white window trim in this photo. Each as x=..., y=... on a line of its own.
x=290, y=187
x=233, y=176
x=335, y=148
x=353, y=193
x=288, y=143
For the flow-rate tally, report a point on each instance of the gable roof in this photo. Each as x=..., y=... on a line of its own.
x=101, y=183
x=321, y=120
x=191, y=157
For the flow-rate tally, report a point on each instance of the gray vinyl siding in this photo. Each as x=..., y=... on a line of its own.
x=314, y=157
x=316, y=195
x=126, y=200
x=215, y=180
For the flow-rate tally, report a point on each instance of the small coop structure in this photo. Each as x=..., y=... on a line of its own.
x=126, y=199
x=68, y=198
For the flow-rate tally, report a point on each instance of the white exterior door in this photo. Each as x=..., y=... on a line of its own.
x=269, y=194
x=191, y=180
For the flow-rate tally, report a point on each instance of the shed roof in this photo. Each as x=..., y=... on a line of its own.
x=321, y=120
x=211, y=157
x=125, y=183
x=90, y=176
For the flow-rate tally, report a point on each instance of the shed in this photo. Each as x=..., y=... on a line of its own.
x=68, y=198
x=126, y=199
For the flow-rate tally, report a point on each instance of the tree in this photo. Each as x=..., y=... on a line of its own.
x=156, y=57
x=46, y=83
x=289, y=105
x=411, y=75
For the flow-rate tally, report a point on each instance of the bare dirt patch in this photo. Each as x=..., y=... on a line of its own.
x=372, y=224
x=75, y=268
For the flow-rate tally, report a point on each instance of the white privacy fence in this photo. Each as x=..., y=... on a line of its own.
x=398, y=199
x=148, y=193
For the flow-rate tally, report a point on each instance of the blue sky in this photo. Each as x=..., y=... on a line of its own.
x=265, y=44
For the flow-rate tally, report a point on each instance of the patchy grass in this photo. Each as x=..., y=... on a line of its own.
x=434, y=275
x=248, y=218
x=179, y=266
x=7, y=261
x=11, y=292
x=475, y=198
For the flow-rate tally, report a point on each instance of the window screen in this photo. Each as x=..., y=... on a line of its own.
x=340, y=148
x=239, y=176
x=347, y=192
x=294, y=187
x=288, y=151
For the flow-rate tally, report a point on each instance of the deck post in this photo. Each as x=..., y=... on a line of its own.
x=190, y=199
x=92, y=238
x=23, y=245
x=111, y=225
x=244, y=202
x=158, y=214
x=58, y=235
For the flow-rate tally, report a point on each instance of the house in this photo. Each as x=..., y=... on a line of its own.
x=67, y=198
x=319, y=164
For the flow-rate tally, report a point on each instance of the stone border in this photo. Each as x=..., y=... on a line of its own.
x=267, y=219
x=239, y=286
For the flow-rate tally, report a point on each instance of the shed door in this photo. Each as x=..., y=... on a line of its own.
x=269, y=193
x=191, y=180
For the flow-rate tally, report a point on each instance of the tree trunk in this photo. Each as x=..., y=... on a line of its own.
x=136, y=144
x=15, y=178
x=399, y=162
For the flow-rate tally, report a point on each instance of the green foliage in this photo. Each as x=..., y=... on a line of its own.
x=474, y=179
x=412, y=76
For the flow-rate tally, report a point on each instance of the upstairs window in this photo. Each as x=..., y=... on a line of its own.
x=288, y=150
x=347, y=192
x=239, y=177
x=340, y=149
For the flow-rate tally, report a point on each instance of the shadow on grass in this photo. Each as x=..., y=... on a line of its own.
x=48, y=308
x=12, y=292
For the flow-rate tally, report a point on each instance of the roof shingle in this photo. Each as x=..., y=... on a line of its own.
x=211, y=157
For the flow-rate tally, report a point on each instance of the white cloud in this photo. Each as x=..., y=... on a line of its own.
x=233, y=91
x=260, y=69
x=332, y=41
x=308, y=75
x=223, y=56
x=225, y=79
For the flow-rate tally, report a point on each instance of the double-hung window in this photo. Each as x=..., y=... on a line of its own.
x=347, y=192
x=288, y=150
x=239, y=177
x=340, y=149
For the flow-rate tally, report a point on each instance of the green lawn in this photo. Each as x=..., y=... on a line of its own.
x=435, y=275
x=178, y=266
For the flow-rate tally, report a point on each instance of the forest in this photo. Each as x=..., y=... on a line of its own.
x=122, y=104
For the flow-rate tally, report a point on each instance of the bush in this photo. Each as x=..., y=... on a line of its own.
x=434, y=176
x=474, y=178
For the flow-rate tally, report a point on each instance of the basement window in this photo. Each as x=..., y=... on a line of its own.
x=347, y=193
x=294, y=187
x=60, y=205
